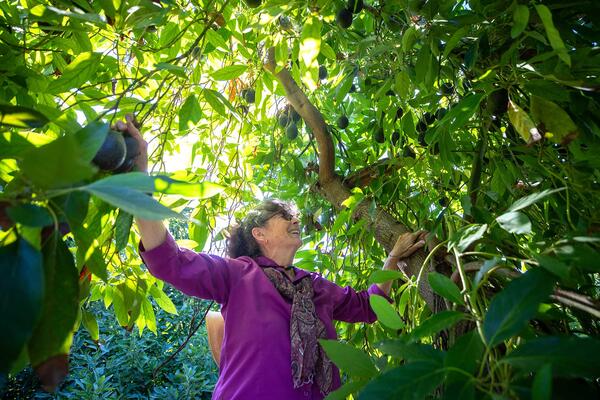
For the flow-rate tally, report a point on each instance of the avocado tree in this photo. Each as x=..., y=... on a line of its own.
x=476, y=120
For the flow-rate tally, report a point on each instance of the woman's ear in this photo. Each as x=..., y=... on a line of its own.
x=259, y=235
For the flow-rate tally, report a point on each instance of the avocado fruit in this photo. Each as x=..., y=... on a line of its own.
x=253, y=3
x=132, y=150
x=447, y=89
x=291, y=131
x=323, y=72
x=379, y=135
x=249, y=95
x=344, y=18
x=112, y=153
x=283, y=120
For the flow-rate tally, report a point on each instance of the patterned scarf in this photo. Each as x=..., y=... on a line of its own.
x=309, y=361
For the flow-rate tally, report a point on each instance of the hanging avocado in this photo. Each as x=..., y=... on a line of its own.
x=344, y=18
x=291, y=132
x=132, y=150
x=112, y=152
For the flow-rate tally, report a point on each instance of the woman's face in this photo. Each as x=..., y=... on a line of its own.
x=282, y=232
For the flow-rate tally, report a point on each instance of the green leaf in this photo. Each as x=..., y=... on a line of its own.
x=542, y=384
x=554, y=266
x=407, y=351
x=229, y=72
x=327, y=51
x=444, y=286
x=385, y=312
x=414, y=380
x=21, y=298
x=216, y=40
x=201, y=190
x=520, y=20
x=349, y=359
x=136, y=203
x=559, y=126
x=174, y=69
x=90, y=139
x=13, y=145
x=532, y=198
x=466, y=353
x=515, y=222
x=552, y=33
x=310, y=47
x=215, y=100
x=424, y=67
x=466, y=236
x=569, y=356
x=30, y=215
x=147, y=317
x=79, y=71
x=122, y=228
x=516, y=304
x=382, y=276
x=435, y=323
x=462, y=112
x=455, y=39
x=523, y=124
x=346, y=389
x=163, y=300
x=138, y=181
x=21, y=117
x=56, y=164
x=189, y=111
x=90, y=324
x=53, y=333
x=142, y=182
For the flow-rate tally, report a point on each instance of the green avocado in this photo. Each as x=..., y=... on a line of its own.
x=291, y=132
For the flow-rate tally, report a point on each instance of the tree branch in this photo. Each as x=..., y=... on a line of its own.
x=384, y=226
x=309, y=113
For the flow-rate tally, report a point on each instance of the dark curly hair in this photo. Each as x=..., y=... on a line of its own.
x=241, y=242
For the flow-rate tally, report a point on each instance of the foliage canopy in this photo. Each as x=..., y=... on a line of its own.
x=477, y=120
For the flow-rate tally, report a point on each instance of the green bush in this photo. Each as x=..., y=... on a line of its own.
x=121, y=364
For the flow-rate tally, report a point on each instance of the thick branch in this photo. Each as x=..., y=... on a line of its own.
x=309, y=113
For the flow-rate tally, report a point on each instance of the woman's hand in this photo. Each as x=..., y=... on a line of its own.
x=152, y=233
x=141, y=160
x=407, y=244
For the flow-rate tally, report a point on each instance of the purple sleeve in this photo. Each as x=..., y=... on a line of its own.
x=195, y=274
x=350, y=305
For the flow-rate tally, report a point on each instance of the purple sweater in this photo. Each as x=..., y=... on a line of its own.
x=255, y=357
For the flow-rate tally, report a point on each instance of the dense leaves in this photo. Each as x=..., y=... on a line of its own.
x=475, y=120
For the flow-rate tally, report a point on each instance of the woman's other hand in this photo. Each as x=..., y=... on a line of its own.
x=407, y=244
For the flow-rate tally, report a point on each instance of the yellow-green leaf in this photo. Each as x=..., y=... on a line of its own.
x=310, y=47
x=523, y=124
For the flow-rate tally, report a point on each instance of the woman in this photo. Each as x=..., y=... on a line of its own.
x=274, y=312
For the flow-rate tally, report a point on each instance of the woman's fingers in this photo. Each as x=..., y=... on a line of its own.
x=130, y=127
x=408, y=243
